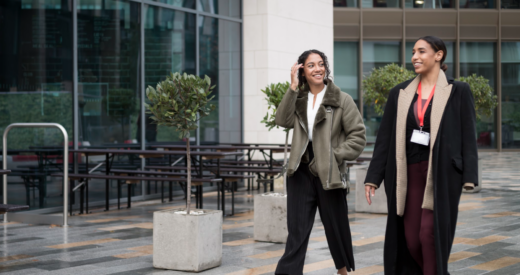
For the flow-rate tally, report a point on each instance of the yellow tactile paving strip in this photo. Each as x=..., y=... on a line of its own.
x=486, y=240
x=139, y=251
x=237, y=225
x=497, y=264
x=458, y=240
x=368, y=241
x=240, y=242
x=256, y=271
x=470, y=206
x=114, y=219
x=318, y=266
x=70, y=245
x=14, y=257
x=144, y=225
x=454, y=257
x=502, y=214
x=369, y=270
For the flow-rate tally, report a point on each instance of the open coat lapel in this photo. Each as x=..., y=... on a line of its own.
x=440, y=99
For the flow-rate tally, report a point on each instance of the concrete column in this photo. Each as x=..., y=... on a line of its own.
x=276, y=32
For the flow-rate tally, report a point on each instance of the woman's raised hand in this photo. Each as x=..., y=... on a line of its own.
x=294, y=75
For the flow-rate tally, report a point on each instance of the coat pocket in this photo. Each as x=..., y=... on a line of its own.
x=457, y=163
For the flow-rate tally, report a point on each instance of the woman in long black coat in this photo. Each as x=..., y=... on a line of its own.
x=423, y=183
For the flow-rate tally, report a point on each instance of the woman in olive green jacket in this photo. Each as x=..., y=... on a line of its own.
x=328, y=130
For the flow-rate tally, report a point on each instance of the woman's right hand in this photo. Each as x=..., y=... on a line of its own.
x=369, y=191
x=294, y=76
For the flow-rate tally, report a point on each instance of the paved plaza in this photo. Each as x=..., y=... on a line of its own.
x=120, y=241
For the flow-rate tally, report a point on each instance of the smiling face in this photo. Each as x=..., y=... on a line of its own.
x=424, y=57
x=314, y=69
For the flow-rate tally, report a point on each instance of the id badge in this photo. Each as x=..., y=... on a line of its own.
x=420, y=137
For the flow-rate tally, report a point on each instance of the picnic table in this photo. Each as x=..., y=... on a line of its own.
x=110, y=153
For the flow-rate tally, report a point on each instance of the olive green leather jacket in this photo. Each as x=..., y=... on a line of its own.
x=338, y=133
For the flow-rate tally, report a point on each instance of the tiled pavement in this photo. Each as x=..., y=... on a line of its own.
x=120, y=242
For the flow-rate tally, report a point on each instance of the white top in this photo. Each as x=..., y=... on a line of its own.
x=311, y=112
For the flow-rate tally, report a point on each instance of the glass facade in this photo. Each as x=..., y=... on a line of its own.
x=510, y=4
x=346, y=69
x=430, y=4
x=375, y=55
x=450, y=57
x=480, y=58
x=510, y=95
x=380, y=3
x=477, y=4
x=346, y=3
x=37, y=79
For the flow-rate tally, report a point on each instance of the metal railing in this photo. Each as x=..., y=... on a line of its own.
x=65, y=162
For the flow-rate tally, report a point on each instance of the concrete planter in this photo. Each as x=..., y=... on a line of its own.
x=187, y=242
x=479, y=187
x=270, y=218
x=379, y=204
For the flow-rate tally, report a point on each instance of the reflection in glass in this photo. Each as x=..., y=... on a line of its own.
x=169, y=38
x=346, y=3
x=449, y=58
x=479, y=58
x=510, y=95
x=229, y=8
x=35, y=70
x=108, y=66
x=375, y=55
x=220, y=59
x=510, y=4
x=380, y=3
x=179, y=3
x=477, y=4
x=346, y=72
x=429, y=4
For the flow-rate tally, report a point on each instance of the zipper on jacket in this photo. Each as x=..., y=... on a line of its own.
x=330, y=110
x=304, y=147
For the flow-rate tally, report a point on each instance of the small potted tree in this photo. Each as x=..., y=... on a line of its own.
x=378, y=84
x=183, y=239
x=271, y=208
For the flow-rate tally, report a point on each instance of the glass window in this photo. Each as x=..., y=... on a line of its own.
x=380, y=3
x=510, y=95
x=480, y=58
x=35, y=70
x=375, y=55
x=35, y=86
x=179, y=3
x=220, y=59
x=429, y=4
x=346, y=69
x=346, y=3
x=108, y=71
x=169, y=39
x=231, y=8
x=449, y=58
x=477, y=4
x=510, y=4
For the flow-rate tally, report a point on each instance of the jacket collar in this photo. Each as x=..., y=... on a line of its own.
x=331, y=98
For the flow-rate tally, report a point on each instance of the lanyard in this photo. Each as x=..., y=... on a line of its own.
x=420, y=111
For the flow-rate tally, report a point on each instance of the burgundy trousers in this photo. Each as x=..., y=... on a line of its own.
x=418, y=222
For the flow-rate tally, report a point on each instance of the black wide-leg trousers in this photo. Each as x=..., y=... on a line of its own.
x=304, y=194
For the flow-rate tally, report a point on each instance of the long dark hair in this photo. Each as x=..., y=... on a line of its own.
x=301, y=60
x=437, y=45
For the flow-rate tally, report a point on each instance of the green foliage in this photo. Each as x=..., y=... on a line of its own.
x=176, y=101
x=381, y=80
x=274, y=94
x=485, y=100
x=378, y=84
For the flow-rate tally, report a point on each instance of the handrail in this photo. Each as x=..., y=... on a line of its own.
x=65, y=162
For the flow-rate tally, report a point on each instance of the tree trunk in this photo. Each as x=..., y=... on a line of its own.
x=285, y=162
x=188, y=185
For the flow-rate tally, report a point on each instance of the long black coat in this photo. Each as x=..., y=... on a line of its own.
x=453, y=162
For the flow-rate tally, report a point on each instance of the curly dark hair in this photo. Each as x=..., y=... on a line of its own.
x=301, y=60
